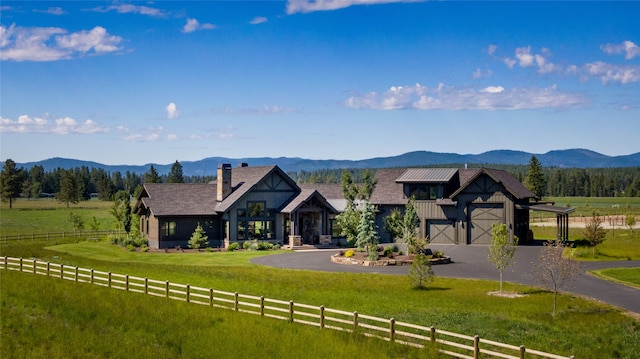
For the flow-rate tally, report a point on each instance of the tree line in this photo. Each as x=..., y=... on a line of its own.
x=82, y=183
x=556, y=182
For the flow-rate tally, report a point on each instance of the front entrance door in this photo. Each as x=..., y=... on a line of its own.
x=309, y=225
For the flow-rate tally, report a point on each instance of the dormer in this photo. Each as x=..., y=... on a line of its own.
x=426, y=184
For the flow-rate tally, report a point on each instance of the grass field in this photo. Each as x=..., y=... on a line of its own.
x=36, y=311
x=627, y=276
x=620, y=244
x=585, y=206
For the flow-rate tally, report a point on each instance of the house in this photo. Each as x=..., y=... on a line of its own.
x=455, y=206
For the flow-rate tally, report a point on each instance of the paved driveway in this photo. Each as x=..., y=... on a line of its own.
x=472, y=262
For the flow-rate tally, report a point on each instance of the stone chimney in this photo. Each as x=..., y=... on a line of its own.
x=223, y=181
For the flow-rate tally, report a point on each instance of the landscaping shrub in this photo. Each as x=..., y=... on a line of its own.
x=144, y=248
x=395, y=248
x=349, y=253
x=233, y=247
x=388, y=252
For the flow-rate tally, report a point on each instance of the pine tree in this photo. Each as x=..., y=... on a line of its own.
x=70, y=189
x=152, y=176
x=198, y=238
x=535, y=179
x=11, y=180
x=175, y=175
x=368, y=232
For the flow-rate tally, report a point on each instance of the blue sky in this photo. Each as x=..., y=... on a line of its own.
x=155, y=82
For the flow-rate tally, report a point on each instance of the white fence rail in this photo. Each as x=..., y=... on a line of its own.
x=453, y=344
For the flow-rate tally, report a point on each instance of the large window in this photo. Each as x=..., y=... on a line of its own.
x=256, y=221
x=169, y=229
x=421, y=191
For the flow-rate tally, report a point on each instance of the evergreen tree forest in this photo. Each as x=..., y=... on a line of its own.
x=82, y=183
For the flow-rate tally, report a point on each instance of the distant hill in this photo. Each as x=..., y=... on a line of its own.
x=577, y=158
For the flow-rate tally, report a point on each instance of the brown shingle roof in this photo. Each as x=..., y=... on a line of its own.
x=327, y=190
x=304, y=196
x=180, y=199
x=387, y=190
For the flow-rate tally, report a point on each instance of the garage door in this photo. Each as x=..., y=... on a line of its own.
x=482, y=217
x=441, y=231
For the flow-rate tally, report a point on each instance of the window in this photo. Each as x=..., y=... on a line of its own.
x=256, y=209
x=421, y=191
x=169, y=229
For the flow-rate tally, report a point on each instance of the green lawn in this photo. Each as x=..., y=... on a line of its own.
x=585, y=206
x=627, y=276
x=33, y=324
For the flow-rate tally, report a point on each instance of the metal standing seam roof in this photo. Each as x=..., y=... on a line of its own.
x=427, y=175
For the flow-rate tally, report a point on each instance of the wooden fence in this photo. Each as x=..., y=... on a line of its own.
x=90, y=234
x=453, y=344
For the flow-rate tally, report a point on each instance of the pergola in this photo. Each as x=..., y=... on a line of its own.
x=562, y=216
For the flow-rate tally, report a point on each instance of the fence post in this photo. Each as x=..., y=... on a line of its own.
x=126, y=282
x=392, y=329
x=48, y=268
x=355, y=320
x=476, y=347
x=432, y=334
x=6, y=262
x=61, y=271
x=322, y=316
x=146, y=286
x=211, y=297
x=109, y=279
x=91, y=276
x=34, y=266
x=291, y=311
x=20, y=264
x=166, y=289
x=522, y=351
x=188, y=289
x=235, y=301
x=262, y=306
x=76, y=274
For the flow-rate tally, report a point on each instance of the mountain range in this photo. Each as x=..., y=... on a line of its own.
x=570, y=158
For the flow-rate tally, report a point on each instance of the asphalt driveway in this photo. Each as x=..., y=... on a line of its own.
x=472, y=262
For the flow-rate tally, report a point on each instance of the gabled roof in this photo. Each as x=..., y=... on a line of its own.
x=178, y=199
x=427, y=175
x=304, y=196
x=517, y=189
x=243, y=179
x=327, y=190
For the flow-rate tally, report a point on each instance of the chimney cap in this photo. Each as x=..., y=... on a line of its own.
x=224, y=165
x=243, y=164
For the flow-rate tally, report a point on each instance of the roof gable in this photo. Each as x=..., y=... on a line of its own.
x=510, y=183
x=306, y=196
x=247, y=179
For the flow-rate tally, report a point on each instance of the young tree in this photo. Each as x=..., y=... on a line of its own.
x=152, y=176
x=198, y=238
x=367, y=237
x=535, y=179
x=420, y=273
x=594, y=233
x=11, y=179
x=76, y=222
x=502, y=248
x=410, y=222
x=630, y=221
x=393, y=224
x=368, y=185
x=553, y=270
x=175, y=174
x=70, y=190
x=121, y=210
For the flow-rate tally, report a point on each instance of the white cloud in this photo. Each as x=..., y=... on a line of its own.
x=493, y=89
x=613, y=73
x=509, y=62
x=628, y=48
x=492, y=49
x=306, y=6
x=52, y=11
x=193, y=25
x=258, y=20
x=523, y=54
x=130, y=8
x=455, y=99
x=61, y=126
x=54, y=43
x=172, y=111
